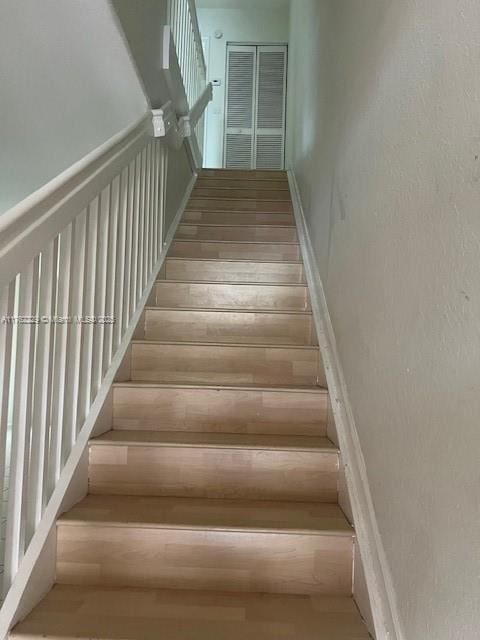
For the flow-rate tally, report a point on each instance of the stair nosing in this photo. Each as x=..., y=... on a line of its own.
x=329, y=448
x=240, y=187
x=235, y=226
x=245, y=527
x=131, y=524
x=277, y=262
x=242, y=283
x=238, y=198
x=218, y=387
x=240, y=345
x=273, y=243
x=237, y=211
x=240, y=211
x=263, y=311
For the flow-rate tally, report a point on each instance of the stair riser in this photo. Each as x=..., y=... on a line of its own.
x=220, y=410
x=199, y=559
x=231, y=296
x=232, y=204
x=177, y=614
x=225, y=183
x=249, y=193
x=243, y=234
x=225, y=271
x=244, y=174
x=234, y=251
x=239, y=218
x=202, y=472
x=229, y=326
x=212, y=364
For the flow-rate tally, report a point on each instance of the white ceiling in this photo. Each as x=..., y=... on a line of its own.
x=242, y=4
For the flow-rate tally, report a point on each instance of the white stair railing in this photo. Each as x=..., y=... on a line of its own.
x=75, y=262
x=78, y=259
x=188, y=43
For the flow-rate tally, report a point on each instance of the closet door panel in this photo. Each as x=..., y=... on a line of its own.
x=270, y=107
x=240, y=107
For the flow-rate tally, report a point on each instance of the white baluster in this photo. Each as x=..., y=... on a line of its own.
x=21, y=430
x=63, y=275
x=111, y=272
x=101, y=288
x=120, y=292
x=42, y=388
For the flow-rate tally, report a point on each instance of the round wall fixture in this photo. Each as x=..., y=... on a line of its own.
x=218, y=34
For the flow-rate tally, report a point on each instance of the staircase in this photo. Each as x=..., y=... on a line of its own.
x=212, y=509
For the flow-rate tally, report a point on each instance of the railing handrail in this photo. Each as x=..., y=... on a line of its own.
x=27, y=227
x=61, y=181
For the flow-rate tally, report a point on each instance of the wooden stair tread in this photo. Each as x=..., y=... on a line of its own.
x=234, y=282
x=281, y=242
x=233, y=345
x=247, y=260
x=108, y=613
x=233, y=198
x=215, y=440
x=204, y=385
x=228, y=270
x=245, y=174
x=286, y=312
x=240, y=250
x=249, y=218
x=235, y=226
x=229, y=183
x=209, y=514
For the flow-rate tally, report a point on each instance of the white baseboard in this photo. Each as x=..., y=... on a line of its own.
x=36, y=573
x=377, y=573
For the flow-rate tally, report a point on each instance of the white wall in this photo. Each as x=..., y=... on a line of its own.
x=67, y=86
x=267, y=22
x=385, y=143
x=142, y=22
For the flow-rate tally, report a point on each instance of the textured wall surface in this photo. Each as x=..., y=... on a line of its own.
x=67, y=85
x=385, y=143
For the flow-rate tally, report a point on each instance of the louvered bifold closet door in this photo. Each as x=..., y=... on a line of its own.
x=240, y=107
x=270, y=111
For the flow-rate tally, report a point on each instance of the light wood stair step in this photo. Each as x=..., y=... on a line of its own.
x=230, y=325
x=274, y=547
x=244, y=233
x=212, y=363
x=242, y=516
x=202, y=440
x=239, y=183
x=108, y=613
x=240, y=204
x=243, y=193
x=255, y=297
x=230, y=250
x=245, y=174
x=220, y=409
x=238, y=218
x=251, y=271
x=214, y=465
